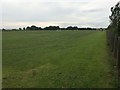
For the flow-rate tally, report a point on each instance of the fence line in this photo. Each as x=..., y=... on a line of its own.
x=113, y=40
x=118, y=53
x=115, y=46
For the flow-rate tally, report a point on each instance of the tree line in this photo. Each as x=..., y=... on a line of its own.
x=33, y=27
x=115, y=19
x=113, y=37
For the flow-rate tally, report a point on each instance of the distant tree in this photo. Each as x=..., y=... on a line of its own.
x=24, y=28
x=28, y=28
x=75, y=28
x=52, y=28
x=62, y=28
x=69, y=28
x=39, y=28
x=34, y=27
x=14, y=29
x=3, y=29
x=72, y=28
x=20, y=28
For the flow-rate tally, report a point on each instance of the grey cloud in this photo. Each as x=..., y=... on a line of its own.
x=53, y=12
x=84, y=12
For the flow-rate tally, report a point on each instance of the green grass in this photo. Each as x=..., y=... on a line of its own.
x=56, y=59
x=0, y=59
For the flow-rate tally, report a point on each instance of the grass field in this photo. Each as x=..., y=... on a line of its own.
x=57, y=59
x=0, y=59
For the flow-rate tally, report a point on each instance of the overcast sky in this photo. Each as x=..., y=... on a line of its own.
x=81, y=13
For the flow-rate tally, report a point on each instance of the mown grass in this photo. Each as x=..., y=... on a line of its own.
x=56, y=59
x=0, y=59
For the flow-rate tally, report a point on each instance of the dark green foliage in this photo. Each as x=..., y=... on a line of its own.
x=115, y=18
x=52, y=28
x=72, y=28
x=113, y=35
x=118, y=29
x=20, y=28
x=24, y=28
x=33, y=27
x=28, y=28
